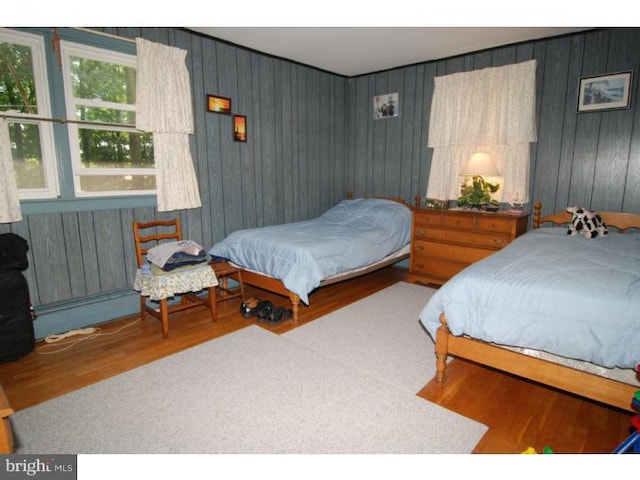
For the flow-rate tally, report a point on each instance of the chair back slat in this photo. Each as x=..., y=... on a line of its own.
x=143, y=237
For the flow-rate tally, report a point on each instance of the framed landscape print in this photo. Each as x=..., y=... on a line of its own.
x=604, y=92
x=239, y=128
x=218, y=104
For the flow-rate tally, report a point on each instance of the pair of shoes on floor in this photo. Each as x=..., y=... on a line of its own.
x=265, y=311
x=279, y=315
x=273, y=315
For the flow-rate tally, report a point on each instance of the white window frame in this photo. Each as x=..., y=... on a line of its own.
x=43, y=101
x=69, y=49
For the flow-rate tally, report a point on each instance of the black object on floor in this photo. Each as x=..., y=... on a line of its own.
x=17, y=336
x=279, y=315
x=265, y=311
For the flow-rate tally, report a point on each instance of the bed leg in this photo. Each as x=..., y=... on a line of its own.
x=442, y=350
x=295, y=306
x=441, y=367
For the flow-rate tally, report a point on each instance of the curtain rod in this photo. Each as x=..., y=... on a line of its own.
x=64, y=120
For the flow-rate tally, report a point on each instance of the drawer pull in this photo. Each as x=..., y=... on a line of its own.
x=420, y=247
x=498, y=241
x=421, y=231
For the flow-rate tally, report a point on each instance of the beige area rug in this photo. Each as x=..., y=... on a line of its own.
x=380, y=335
x=250, y=391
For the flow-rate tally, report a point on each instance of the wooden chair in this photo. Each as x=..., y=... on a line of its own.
x=162, y=287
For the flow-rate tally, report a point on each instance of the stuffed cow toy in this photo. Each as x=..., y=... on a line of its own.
x=587, y=222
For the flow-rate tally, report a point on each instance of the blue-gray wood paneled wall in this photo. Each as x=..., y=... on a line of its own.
x=312, y=138
x=590, y=159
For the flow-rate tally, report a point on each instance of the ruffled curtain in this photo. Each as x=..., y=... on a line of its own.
x=490, y=110
x=9, y=199
x=164, y=108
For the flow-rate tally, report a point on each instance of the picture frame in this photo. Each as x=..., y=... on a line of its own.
x=239, y=128
x=605, y=92
x=217, y=104
x=386, y=105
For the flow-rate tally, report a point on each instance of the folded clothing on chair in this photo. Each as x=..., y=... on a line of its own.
x=171, y=255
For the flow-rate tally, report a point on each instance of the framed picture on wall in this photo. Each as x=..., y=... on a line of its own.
x=218, y=104
x=386, y=106
x=239, y=128
x=604, y=92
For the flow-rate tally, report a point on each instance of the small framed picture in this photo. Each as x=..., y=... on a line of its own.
x=386, y=106
x=239, y=128
x=604, y=92
x=218, y=104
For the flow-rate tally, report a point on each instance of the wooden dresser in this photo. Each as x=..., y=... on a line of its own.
x=443, y=242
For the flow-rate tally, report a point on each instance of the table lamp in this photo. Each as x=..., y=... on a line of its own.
x=475, y=191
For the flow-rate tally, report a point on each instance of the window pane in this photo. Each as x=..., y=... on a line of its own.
x=109, y=82
x=116, y=183
x=108, y=155
x=27, y=155
x=106, y=115
x=17, y=82
x=114, y=149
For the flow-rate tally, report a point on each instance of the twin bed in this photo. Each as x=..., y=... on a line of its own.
x=559, y=309
x=354, y=237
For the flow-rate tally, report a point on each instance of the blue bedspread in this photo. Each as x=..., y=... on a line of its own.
x=566, y=295
x=352, y=234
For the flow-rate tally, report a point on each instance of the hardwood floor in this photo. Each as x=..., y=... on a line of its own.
x=519, y=414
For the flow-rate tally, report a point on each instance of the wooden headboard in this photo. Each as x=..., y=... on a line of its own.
x=618, y=220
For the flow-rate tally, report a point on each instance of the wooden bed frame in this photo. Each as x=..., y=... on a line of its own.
x=591, y=386
x=276, y=286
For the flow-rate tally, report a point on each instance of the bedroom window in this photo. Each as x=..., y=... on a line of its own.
x=24, y=96
x=109, y=156
x=68, y=103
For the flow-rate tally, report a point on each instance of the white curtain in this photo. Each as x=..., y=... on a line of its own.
x=9, y=199
x=490, y=110
x=164, y=107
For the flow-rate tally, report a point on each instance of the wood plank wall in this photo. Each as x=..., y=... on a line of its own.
x=312, y=138
x=590, y=159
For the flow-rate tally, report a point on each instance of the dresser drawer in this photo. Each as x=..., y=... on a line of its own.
x=494, y=224
x=470, y=238
x=458, y=221
x=437, y=268
x=447, y=251
x=428, y=219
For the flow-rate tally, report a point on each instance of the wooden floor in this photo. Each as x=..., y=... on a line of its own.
x=519, y=414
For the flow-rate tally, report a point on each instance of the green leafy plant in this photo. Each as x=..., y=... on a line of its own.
x=476, y=192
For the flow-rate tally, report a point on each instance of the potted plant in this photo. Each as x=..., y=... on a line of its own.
x=475, y=192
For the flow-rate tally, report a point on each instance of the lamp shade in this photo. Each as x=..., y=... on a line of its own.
x=480, y=163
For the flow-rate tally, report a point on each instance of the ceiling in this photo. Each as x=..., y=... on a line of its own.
x=352, y=51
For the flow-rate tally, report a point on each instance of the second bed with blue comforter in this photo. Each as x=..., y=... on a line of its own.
x=352, y=234
x=571, y=296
